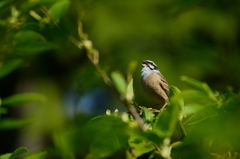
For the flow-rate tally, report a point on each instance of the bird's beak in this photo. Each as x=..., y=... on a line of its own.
x=144, y=62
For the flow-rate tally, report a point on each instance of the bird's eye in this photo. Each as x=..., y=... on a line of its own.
x=151, y=66
x=150, y=63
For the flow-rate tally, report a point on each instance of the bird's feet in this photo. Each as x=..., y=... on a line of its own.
x=163, y=107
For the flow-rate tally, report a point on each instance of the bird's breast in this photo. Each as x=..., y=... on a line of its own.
x=151, y=86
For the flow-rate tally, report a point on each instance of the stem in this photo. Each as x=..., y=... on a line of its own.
x=92, y=55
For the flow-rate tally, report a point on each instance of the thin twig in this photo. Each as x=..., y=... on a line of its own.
x=122, y=98
x=92, y=55
x=105, y=77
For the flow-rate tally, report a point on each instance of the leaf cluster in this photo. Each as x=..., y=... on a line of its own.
x=210, y=118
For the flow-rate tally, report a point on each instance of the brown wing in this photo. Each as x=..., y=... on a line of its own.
x=164, y=84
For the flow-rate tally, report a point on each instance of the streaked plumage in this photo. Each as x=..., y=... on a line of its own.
x=156, y=86
x=153, y=83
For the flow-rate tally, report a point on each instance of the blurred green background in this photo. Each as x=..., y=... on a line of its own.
x=196, y=38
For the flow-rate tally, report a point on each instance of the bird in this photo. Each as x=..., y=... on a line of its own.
x=154, y=84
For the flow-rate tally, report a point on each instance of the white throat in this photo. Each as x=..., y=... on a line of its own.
x=146, y=71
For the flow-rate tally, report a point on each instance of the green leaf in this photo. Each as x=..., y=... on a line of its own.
x=166, y=121
x=25, y=36
x=119, y=82
x=206, y=113
x=18, y=152
x=9, y=66
x=143, y=142
x=181, y=130
x=5, y=156
x=148, y=115
x=203, y=87
x=175, y=91
x=32, y=47
x=37, y=156
x=231, y=101
x=149, y=136
x=129, y=92
x=101, y=137
x=28, y=42
x=59, y=9
x=140, y=146
x=23, y=99
x=195, y=96
x=192, y=108
x=6, y=124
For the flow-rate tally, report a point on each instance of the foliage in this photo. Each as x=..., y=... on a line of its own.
x=45, y=44
x=21, y=152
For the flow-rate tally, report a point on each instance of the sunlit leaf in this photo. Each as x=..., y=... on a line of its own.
x=140, y=146
x=191, y=109
x=175, y=91
x=23, y=99
x=59, y=9
x=9, y=66
x=129, y=92
x=143, y=142
x=5, y=156
x=201, y=115
x=119, y=82
x=195, y=96
x=37, y=156
x=147, y=114
x=199, y=86
x=176, y=144
x=166, y=121
x=18, y=152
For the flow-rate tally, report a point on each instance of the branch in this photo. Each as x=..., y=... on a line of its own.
x=93, y=55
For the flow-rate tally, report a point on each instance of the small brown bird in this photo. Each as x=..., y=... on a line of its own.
x=157, y=88
x=154, y=84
